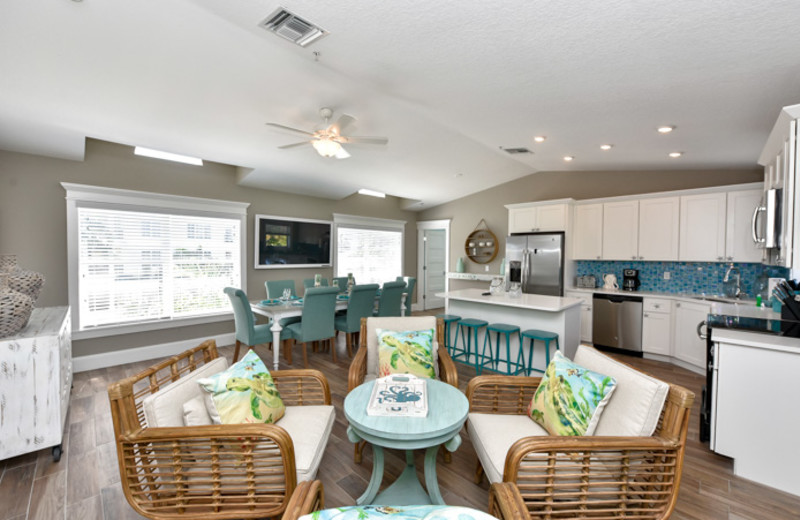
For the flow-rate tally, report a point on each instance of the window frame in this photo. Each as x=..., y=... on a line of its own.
x=374, y=223
x=80, y=195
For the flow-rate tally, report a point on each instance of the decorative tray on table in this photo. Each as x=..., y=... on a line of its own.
x=398, y=396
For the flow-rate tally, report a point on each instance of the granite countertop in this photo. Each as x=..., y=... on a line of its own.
x=536, y=302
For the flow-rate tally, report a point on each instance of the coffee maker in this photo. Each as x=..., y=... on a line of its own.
x=630, y=279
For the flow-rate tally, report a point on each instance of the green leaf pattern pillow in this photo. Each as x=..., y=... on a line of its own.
x=570, y=398
x=244, y=393
x=405, y=352
x=427, y=512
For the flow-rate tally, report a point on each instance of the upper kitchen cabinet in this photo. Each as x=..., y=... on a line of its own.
x=588, y=232
x=702, y=227
x=621, y=230
x=659, y=224
x=530, y=217
x=739, y=243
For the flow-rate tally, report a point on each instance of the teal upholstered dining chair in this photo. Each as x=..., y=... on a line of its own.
x=309, y=283
x=342, y=282
x=316, y=324
x=247, y=332
x=389, y=303
x=360, y=305
x=275, y=290
x=410, y=283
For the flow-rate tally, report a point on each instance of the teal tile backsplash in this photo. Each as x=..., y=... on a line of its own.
x=685, y=277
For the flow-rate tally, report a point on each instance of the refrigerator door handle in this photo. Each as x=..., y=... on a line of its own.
x=526, y=262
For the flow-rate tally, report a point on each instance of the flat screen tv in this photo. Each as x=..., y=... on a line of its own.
x=283, y=242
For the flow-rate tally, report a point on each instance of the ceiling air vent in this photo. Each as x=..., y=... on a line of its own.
x=514, y=151
x=293, y=28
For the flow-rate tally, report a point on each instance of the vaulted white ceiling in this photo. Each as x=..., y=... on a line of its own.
x=448, y=82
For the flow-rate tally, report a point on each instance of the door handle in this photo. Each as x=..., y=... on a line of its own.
x=754, y=223
x=700, y=334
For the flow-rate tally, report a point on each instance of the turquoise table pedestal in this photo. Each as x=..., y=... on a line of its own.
x=447, y=411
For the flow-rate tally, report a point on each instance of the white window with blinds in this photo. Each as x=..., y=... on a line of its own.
x=370, y=248
x=142, y=261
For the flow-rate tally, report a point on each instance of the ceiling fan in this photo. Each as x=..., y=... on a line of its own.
x=328, y=142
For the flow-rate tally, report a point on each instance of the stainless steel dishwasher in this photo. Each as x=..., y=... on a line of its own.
x=617, y=321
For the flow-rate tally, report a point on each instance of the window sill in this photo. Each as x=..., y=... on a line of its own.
x=132, y=328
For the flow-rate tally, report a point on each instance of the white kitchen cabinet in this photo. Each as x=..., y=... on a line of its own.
x=588, y=232
x=586, y=313
x=657, y=326
x=687, y=345
x=535, y=217
x=739, y=244
x=702, y=228
x=35, y=383
x=621, y=230
x=659, y=225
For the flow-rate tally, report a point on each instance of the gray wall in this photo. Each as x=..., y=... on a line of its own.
x=489, y=204
x=33, y=220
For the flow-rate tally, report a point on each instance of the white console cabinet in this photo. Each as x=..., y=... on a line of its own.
x=35, y=382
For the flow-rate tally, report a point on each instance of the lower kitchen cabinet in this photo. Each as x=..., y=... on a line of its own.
x=688, y=346
x=657, y=326
x=586, y=314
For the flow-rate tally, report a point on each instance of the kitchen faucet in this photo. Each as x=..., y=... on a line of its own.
x=731, y=269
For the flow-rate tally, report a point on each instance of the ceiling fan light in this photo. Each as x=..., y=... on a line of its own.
x=326, y=147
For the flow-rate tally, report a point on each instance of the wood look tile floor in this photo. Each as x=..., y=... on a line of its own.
x=85, y=484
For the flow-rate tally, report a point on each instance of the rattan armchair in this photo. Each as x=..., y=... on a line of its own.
x=551, y=478
x=209, y=472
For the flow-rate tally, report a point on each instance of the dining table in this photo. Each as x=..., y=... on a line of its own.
x=277, y=310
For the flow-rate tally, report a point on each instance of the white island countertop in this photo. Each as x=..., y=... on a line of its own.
x=536, y=302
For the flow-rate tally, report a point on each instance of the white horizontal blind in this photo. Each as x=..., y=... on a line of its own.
x=138, y=266
x=372, y=255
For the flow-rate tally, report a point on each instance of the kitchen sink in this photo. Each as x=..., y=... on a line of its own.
x=723, y=299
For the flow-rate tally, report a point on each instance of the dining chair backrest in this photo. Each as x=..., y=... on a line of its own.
x=391, y=299
x=309, y=282
x=242, y=315
x=361, y=304
x=410, y=283
x=319, y=308
x=342, y=281
x=275, y=288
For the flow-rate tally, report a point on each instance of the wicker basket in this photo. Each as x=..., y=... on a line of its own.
x=15, y=309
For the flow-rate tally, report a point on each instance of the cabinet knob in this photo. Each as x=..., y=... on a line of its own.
x=646, y=315
x=720, y=258
x=633, y=258
x=678, y=304
x=598, y=258
x=657, y=306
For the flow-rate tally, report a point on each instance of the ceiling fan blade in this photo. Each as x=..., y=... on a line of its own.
x=293, y=145
x=290, y=129
x=342, y=154
x=365, y=140
x=343, y=122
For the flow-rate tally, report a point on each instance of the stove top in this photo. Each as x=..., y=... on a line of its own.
x=786, y=328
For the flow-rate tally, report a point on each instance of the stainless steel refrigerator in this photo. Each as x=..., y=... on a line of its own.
x=541, y=262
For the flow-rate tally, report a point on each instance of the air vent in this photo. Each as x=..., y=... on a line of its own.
x=514, y=151
x=293, y=28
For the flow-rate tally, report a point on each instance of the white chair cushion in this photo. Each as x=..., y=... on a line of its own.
x=638, y=399
x=165, y=407
x=195, y=413
x=492, y=436
x=309, y=427
x=397, y=324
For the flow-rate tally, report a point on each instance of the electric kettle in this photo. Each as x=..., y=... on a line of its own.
x=610, y=281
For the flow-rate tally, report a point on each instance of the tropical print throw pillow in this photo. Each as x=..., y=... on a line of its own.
x=570, y=398
x=405, y=352
x=244, y=393
x=428, y=512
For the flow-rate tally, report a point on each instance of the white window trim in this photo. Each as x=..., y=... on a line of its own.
x=357, y=221
x=81, y=195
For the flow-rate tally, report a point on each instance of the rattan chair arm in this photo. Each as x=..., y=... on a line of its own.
x=358, y=368
x=308, y=497
x=506, y=503
x=302, y=387
x=507, y=395
x=448, y=372
x=212, y=431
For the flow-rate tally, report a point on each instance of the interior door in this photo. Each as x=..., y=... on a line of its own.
x=434, y=268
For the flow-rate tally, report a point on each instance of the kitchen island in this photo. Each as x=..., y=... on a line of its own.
x=527, y=311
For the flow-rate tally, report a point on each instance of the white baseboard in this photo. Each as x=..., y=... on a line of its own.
x=132, y=355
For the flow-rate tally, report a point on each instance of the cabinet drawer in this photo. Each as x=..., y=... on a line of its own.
x=586, y=297
x=657, y=305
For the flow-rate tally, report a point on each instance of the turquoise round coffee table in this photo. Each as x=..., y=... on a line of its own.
x=447, y=411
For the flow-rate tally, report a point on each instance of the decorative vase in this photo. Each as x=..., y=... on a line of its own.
x=15, y=309
x=460, y=264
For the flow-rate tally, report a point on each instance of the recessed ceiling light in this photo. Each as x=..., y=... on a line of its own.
x=606, y=146
x=665, y=129
x=167, y=156
x=372, y=193
x=568, y=158
x=675, y=154
x=539, y=138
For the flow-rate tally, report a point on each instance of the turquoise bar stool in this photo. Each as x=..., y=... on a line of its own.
x=494, y=358
x=472, y=327
x=448, y=320
x=533, y=335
